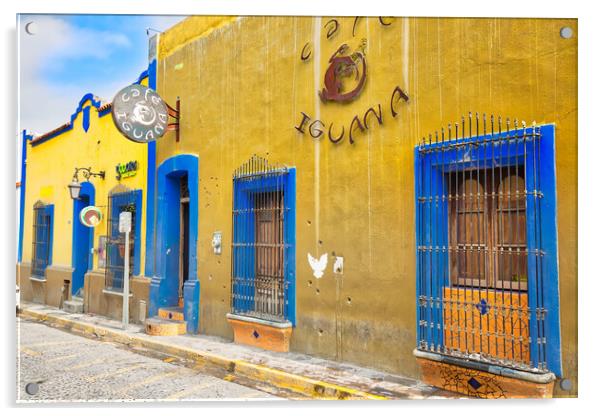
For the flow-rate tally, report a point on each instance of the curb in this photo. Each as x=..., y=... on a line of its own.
x=308, y=387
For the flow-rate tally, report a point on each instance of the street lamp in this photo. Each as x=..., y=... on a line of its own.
x=75, y=187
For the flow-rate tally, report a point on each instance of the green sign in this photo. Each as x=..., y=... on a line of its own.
x=126, y=170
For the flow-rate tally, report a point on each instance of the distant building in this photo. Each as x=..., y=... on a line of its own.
x=56, y=249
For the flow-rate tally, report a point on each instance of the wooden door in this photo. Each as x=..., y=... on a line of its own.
x=269, y=250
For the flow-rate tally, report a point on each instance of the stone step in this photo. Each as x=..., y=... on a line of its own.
x=164, y=327
x=173, y=313
x=73, y=306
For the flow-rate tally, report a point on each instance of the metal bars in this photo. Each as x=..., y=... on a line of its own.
x=115, y=249
x=479, y=252
x=259, y=286
x=41, y=240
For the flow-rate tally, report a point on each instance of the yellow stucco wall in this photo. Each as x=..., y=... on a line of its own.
x=50, y=168
x=243, y=87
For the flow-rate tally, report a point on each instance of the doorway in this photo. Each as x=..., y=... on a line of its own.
x=176, y=237
x=184, y=237
x=82, y=240
x=174, y=282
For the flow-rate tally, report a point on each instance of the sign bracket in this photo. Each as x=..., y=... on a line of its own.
x=175, y=113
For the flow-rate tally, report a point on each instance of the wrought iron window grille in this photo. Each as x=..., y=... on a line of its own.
x=485, y=280
x=261, y=241
x=119, y=201
x=41, y=239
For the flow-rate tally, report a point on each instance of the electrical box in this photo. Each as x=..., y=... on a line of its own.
x=216, y=242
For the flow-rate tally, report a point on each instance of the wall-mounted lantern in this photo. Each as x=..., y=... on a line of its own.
x=75, y=187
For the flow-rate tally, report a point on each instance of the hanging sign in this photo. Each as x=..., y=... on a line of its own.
x=140, y=114
x=90, y=216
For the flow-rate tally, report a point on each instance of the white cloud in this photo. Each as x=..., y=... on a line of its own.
x=45, y=105
x=56, y=40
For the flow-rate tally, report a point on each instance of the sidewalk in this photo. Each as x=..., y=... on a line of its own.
x=302, y=375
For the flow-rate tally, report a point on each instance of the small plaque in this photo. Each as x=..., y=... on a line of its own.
x=90, y=216
x=125, y=222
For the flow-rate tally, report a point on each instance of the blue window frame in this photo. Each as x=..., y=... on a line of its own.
x=263, y=242
x=43, y=219
x=530, y=151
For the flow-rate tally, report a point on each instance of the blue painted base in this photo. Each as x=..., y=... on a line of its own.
x=192, y=293
x=161, y=295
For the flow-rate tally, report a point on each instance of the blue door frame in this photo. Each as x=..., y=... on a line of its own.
x=165, y=282
x=83, y=239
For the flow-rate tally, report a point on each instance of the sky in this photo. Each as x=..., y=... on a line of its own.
x=71, y=55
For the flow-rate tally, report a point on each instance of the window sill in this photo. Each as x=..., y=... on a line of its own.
x=533, y=377
x=37, y=279
x=261, y=333
x=250, y=319
x=115, y=293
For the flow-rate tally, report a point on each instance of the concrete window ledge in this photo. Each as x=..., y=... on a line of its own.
x=483, y=380
x=115, y=293
x=259, y=321
x=261, y=333
x=37, y=279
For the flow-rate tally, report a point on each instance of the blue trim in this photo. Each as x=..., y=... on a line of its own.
x=82, y=239
x=149, y=266
x=420, y=331
x=243, y=231
x=164, y=285
x=50, y=212
x=430, y=171
x=549, y=243
x=290, y=243
x=25, y=138
x=80, y=107
x=144, y=74
x=86, y=119
x=431, y=230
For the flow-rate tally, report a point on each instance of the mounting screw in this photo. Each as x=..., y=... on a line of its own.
x=565, y=384
x=32, y=388
x=566, y=32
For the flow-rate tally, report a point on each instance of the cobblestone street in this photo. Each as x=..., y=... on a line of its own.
x=68, y=367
